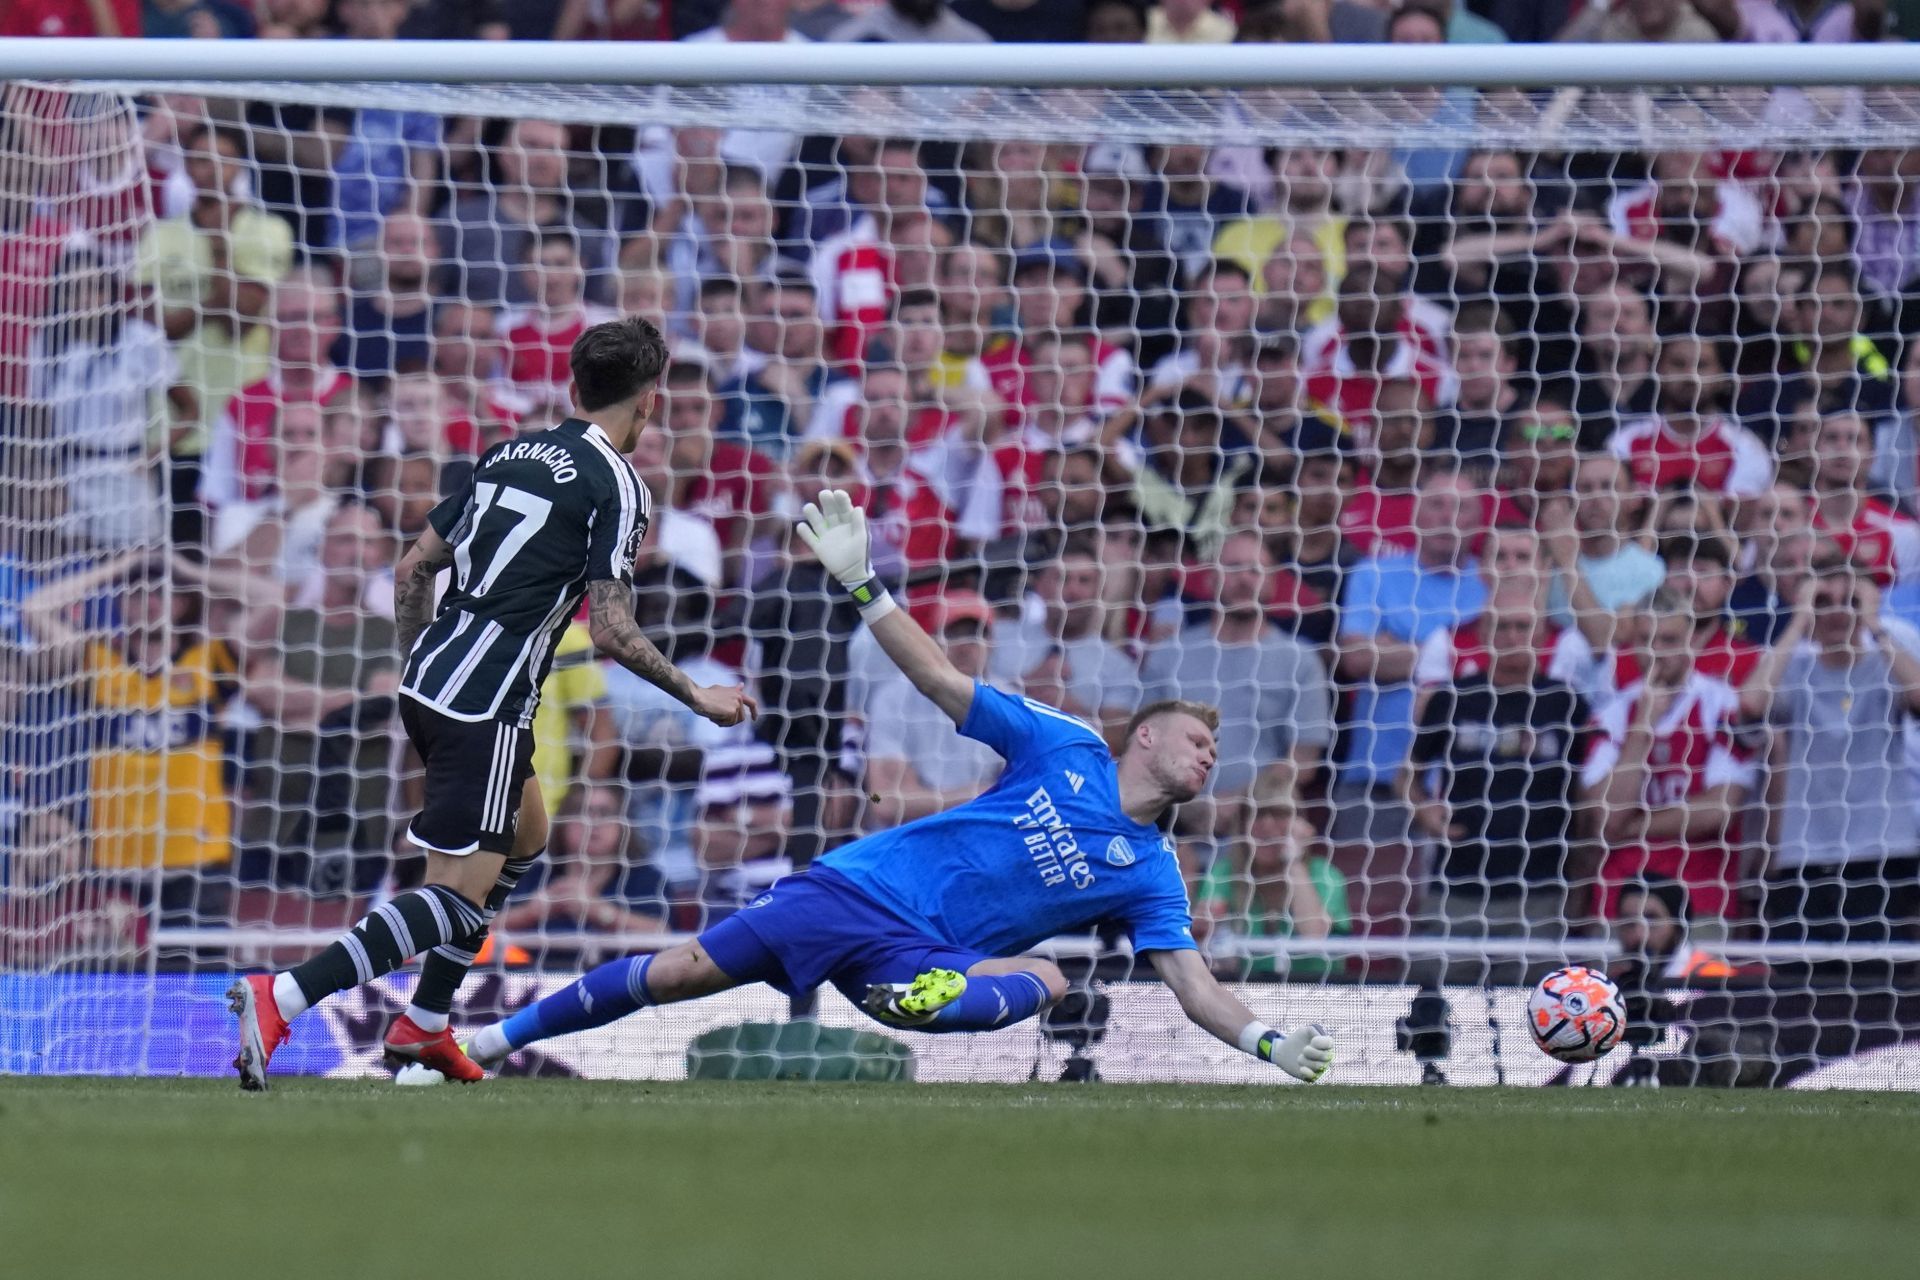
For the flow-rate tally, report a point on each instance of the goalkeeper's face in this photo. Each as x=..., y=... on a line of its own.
x=1180, y=755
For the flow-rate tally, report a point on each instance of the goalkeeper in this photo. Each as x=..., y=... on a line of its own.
x=922, y=926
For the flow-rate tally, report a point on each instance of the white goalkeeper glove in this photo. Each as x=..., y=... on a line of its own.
x=1305, y=1053
x=837, y=532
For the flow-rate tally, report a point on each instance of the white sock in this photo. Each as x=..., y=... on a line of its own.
x=287, y=995
x=489, y=1044
x=426, y=1019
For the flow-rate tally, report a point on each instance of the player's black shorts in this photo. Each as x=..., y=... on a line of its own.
x=476, y=770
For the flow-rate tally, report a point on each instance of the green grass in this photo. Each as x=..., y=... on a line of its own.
x=548, y=1179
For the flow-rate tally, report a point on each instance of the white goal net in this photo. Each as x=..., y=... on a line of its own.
x=1527, y=475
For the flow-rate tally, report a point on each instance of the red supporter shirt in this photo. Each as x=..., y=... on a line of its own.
x=1446, y=656
x=252, y=416
x=1723, y=457
x=100, y=186
x=939, y=495
x=1725, y=657
x=1880, y=540
x=1728, y=658
x=1508, y=513
x=1115, y=378
x=1333, y=381
x=1694, y=750
x=735, y=488
x=853, y=278
x=471, y=432
x=539, y=352
x=1379, y=521
x=910, y=514
x=1373, y=520
x=28, y=259
x=1287, y=596
x=1026, y=464
x=971, y=497
x=64, y=18
x=1739, y=219
x=924, y=425
x=116, y=207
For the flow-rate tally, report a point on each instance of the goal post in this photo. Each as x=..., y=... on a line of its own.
x=1463, y=421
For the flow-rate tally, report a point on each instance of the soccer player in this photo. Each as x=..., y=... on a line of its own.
x=543, y=520
x=923, y=925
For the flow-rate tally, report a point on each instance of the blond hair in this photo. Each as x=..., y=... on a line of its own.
x=1205, y=713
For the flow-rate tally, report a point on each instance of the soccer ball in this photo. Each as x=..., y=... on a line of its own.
x=1576, y=1015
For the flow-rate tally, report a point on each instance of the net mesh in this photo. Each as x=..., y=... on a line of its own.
x=1526, y=476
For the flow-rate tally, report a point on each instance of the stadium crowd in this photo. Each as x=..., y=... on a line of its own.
x=1542, y=523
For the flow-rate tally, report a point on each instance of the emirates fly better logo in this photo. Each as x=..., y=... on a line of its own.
x=1049, y=840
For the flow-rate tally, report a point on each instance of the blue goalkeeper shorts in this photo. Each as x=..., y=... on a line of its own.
x=816, y=927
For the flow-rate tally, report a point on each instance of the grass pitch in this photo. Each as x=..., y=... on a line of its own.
x=541, y=1180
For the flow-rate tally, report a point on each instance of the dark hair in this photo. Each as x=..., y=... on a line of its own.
x=917, y=296
x=1283, y=345
x=617, y=360
x=193, y=133
x=1481, y=317
x=717, y=286
x=688, y=373
x=155, y=573
x=556, y=234
x=1824, y=270
x=1685, y=547
x=1668, y=892
x=1365, y=224
x=1078, y=546
x=1829, y=560
x=1213, y=268
x=743, y=175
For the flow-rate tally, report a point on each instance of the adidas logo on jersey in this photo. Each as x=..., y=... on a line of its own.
x=1075, y=781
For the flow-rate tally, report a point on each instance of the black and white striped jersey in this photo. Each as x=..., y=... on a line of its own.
x=541, y=516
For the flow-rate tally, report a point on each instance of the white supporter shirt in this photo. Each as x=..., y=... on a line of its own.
x=101, y=399
x=768, y=150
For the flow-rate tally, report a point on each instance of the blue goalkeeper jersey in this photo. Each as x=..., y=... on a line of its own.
x=1046, y=850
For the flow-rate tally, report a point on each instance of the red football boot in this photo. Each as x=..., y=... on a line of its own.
x=407, y=1041
x=262, y=1029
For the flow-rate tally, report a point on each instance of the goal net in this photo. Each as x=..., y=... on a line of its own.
x=1527, y=476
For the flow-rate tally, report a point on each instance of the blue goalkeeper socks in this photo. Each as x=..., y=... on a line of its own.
x=991, y=1003
x=608, y=994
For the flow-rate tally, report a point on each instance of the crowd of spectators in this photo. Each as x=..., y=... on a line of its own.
x=1540, y=522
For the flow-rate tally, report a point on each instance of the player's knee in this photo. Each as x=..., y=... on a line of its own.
x=531, y=828
x=1049, y=973
x=684, y=973
x=470, y=876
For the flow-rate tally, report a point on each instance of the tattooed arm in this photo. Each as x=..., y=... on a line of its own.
x=413, y=587
x=615, y=633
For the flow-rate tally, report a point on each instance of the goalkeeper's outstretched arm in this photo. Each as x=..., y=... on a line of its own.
x=1306, y=1053
x=837, y=532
